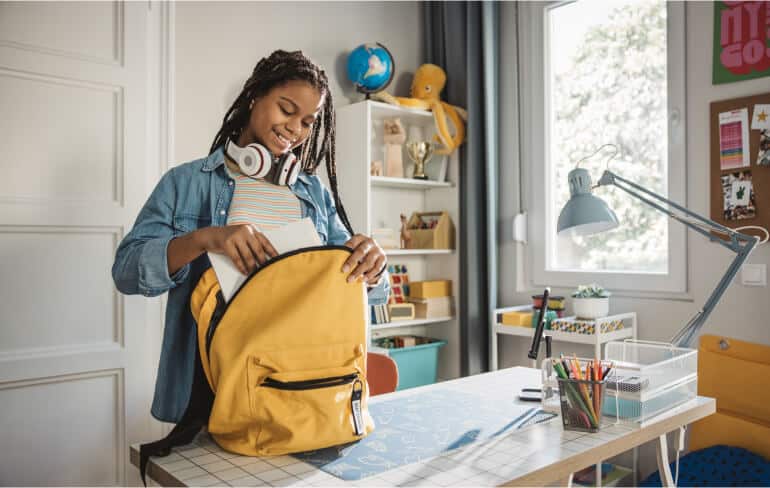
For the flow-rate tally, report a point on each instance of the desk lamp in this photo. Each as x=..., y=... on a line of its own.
x=585, y=214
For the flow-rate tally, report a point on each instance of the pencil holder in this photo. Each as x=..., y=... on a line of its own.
x=581, y=404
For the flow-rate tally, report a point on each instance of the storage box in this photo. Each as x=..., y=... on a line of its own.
x=584, y=326
x=441, y=236
x=668, y=375
x=426, y=308
x=401, y=311
x=418, y=364
x=520, y=319
x=430, y=289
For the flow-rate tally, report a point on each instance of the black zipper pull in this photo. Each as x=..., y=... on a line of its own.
x=355, y=405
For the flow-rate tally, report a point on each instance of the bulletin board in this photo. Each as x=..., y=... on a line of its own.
x=734, y=132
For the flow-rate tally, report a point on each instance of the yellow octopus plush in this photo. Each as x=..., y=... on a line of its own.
x=427, y=84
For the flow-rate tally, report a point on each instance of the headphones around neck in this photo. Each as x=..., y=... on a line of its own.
x=255, y=161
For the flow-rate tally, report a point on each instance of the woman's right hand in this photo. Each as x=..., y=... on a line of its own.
x=243, y=244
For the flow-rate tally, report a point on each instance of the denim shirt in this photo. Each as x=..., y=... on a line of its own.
x=194, y=195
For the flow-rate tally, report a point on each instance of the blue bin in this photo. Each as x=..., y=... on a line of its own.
x=417, y=365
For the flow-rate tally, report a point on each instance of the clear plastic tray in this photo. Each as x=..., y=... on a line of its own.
x=648, y=378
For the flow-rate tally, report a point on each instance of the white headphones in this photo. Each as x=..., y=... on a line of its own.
x=255, y=161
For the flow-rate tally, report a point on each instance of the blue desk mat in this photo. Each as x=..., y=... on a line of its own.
x=419, y=427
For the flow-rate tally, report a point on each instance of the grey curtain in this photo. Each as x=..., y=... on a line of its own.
x=463, y=38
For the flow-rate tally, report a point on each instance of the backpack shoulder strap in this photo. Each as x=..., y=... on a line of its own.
x=196, y=416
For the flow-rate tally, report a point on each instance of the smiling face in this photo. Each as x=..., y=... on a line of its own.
x=282, y=119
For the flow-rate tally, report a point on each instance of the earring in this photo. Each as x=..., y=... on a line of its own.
x=251, y=105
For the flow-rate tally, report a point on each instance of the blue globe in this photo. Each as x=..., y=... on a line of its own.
x=370, y=67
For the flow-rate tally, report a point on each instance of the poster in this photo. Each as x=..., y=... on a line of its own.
x=738, y=196
x=741, y=41
x=734, y=139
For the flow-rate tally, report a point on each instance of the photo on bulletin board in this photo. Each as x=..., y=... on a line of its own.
x=738, y=196
x=761, y=122
x=741, y=41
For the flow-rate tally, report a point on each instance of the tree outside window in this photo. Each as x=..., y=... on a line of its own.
x=608, y=84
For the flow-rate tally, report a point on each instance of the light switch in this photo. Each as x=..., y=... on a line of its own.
x=754, y=275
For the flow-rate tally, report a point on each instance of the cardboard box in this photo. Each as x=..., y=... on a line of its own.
x=401, y=311
x=427, y=308
x=441, y=236
x=430, y=289
x=519, y=319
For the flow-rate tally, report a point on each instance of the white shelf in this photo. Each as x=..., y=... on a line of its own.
x=410, y=323
x=416, y=252
x=408, y=183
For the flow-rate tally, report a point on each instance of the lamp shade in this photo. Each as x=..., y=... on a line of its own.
x=584, y=214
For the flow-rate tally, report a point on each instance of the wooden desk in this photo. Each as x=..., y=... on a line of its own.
x=533, y=456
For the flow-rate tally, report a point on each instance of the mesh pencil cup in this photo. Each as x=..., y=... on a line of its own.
x=581, y=404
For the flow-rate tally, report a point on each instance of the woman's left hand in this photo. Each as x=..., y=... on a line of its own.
x=367, y=260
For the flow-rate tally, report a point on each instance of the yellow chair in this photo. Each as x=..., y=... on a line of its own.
x=737, y=374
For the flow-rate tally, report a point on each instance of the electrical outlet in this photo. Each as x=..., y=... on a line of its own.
x=754, y=275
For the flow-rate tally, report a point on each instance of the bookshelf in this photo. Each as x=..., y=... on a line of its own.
x=376, y=202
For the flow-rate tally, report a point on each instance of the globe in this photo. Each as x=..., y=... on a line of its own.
x=370, y=67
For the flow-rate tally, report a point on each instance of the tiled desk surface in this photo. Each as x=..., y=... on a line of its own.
x=504, y=458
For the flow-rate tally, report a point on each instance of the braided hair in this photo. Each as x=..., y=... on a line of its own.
x=275, y=70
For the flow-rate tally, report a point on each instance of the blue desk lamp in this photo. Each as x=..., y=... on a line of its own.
x=585, y=214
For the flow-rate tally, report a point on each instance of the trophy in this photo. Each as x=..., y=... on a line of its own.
x=419, y=152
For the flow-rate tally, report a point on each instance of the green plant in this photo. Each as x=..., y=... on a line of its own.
x=590, y=291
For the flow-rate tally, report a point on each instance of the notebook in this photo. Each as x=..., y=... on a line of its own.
x=295, y=235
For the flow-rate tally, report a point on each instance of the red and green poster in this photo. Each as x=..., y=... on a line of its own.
x=741, y=41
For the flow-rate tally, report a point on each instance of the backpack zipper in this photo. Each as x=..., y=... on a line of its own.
x=310, y=384
x=355, y=394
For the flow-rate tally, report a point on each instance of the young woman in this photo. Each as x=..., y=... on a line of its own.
x=210, y=205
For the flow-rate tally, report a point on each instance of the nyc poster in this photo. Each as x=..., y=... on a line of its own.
x=741, y=41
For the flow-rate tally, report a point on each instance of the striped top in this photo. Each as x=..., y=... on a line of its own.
x=259, y=202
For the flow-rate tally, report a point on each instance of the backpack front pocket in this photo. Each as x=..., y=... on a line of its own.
x=305, y=410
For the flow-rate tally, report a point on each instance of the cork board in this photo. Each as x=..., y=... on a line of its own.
x=760, y=175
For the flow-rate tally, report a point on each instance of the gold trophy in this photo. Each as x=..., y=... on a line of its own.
x=419, y=152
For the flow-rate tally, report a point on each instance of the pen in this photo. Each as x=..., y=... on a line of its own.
x=608, y=371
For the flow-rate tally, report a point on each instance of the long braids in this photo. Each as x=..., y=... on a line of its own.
x=274, y=70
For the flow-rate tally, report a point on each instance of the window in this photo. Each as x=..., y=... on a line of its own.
x=595, y=73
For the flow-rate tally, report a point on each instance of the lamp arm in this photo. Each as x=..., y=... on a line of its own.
x=741, y=244
x=610, y=178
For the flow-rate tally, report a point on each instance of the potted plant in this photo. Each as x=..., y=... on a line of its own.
x=591, y=301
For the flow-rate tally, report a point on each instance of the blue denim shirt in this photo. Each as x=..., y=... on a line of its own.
x=194, y=195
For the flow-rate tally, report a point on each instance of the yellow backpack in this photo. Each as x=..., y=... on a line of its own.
x=281, y=367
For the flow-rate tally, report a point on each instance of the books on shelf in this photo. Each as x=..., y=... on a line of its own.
x=379, y=314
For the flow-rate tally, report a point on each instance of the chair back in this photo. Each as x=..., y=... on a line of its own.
x=382, y=373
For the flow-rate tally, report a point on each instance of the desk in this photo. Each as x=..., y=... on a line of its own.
x=533, y=456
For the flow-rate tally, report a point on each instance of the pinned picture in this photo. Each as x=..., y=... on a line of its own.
x=761, y=118
x=763, y=154
x=734, y=139
x=738, y=196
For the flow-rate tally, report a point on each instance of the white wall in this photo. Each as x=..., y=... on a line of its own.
x=743, y=311
x=219, y=43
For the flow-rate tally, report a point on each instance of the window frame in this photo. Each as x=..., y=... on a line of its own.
x=533, y=81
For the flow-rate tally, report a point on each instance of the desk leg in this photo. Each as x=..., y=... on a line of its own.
x=665, y=472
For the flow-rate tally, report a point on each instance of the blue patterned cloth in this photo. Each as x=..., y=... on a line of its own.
x=419, y=427
x=719, y=466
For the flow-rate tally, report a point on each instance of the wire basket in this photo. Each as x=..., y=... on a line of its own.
x=581, y=404
x=648, y=379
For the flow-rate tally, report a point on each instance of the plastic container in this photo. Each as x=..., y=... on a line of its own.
x=418, y=364
x=649, y=378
